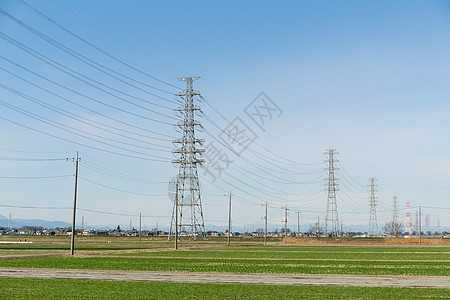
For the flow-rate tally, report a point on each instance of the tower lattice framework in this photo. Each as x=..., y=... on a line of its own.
x=373, y=224
x=395, y=209
x=331, y=219
x=190, y=212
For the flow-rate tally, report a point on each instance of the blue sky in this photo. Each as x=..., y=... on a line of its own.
x=366, y=78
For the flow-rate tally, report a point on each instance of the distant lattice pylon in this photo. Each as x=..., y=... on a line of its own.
x=373, y=225
x=331, y=219
x=395, y=209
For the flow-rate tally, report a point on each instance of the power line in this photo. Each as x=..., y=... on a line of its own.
x=290, y=162
x=273, y=190
x=118, y=40
x=117, y=175
x=79, y=76
x=80, y=209
x=76, y=103
x=30, y=159
x=34, y=207
x=345, y=173
x=70, y=114
x=293, y=182
x=119, y=190
x=88, y=61
x=263, y=168
x=113, y=169
x=35, y=177
x=92, y=45
x=74, y=117
x=432, y=207
x=80, y=144
x=259, y=167
x=60, y=126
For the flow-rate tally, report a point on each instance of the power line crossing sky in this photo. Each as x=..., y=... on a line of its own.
x=368, y=79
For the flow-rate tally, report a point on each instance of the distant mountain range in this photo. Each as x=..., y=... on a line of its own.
x=17, y=223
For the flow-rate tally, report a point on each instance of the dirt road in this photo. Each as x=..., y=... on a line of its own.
x=279, y=279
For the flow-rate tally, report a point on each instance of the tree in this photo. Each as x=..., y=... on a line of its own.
x=394, y=228
x=287, y=229
x=313, y=228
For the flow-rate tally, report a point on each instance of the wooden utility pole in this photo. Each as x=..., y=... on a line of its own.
x=229, y=222
x=298, y=223
x=285, y=224
x=265, y=227
x=72, y=243
x=140, y=223
x=318, y=227
x=420, y=224
x=176, y=216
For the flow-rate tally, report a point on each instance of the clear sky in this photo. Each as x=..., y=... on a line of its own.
x=367, y=78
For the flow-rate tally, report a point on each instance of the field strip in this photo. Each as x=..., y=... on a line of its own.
x=333, y=252
x=266, y=258
x=232, y=278
x=36, y=255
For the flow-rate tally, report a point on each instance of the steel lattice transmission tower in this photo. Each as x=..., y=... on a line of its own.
x=190, y=213
x=373, y=225
x=331, y=219
x=395, y=209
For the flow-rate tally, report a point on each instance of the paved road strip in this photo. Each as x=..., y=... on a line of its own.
x=277, y=279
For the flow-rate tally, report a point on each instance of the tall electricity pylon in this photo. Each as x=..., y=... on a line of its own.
x=373, y=225
x=331, y=219
x=395, y=209
x=189, y=208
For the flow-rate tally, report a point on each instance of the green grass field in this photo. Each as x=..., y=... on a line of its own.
x=300, y=253
x=15, y=288
x=418, y=268
x=247, y=256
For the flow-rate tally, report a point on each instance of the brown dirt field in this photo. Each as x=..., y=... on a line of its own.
x=375, y=242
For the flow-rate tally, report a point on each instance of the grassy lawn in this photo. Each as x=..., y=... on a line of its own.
x=18, y=288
